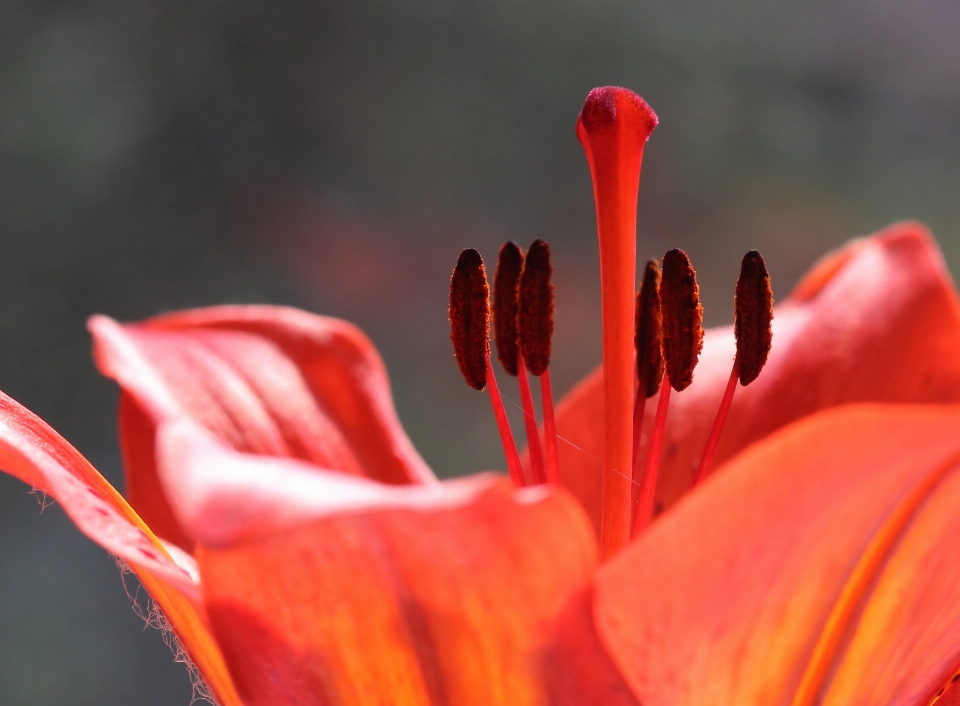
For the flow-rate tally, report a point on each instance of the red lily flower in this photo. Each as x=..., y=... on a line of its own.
x=306, y=555
x=313, y=586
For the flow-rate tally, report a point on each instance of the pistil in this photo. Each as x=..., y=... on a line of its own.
x=613, y=128
x=753, y=314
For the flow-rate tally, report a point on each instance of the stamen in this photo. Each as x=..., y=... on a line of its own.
x=506, y=294
x=649, y=358
x=682, y=318
x=682, y=333
x=506, y=287
x=470, y=333
x=536, y=332
x=753, y=312
x=613, y=128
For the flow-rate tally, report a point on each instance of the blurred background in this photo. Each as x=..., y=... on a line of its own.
x=336, y=155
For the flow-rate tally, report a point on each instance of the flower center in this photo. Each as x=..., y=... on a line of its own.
x=651, y=339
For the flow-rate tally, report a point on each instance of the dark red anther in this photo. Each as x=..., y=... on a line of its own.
x=648, y=332
x=753, y=314
x=536, y=308
x=506, y=290
x=682, y=318
x=470, y=317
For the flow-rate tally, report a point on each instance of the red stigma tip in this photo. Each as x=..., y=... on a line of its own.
x=470, y=317
x=753, y=313
x=648, y=331
x=682, y=318
x=536, y=308
x=613, y=107
x=506, y=289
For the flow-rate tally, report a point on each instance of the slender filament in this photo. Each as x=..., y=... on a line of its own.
x=503, y=425
x=639, y=410
x=713, y=441
x=549, y=429
x=651, y=469
x=530, y=423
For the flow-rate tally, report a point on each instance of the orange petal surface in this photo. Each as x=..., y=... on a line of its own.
x=267, y=380
x=821, y=566
x=37, y=455
x=329, y=589
x=877, y=320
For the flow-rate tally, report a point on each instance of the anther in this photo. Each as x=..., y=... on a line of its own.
x=506, y=285
x=648, y=332
x=682, y=318
x=753, y=313
x=470, y=333
x=649, y=357
x=470, y=317
x=536, y=308
x=682, y=340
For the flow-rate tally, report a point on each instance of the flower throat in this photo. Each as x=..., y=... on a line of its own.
x=651, y=338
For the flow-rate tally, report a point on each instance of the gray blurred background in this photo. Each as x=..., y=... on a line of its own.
x=337, y=156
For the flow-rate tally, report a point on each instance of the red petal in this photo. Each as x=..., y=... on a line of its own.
x=35, y=453
x=876, y=321
x=323, y=588
x=950, y=695
x=825, y=556
x=268, y=380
